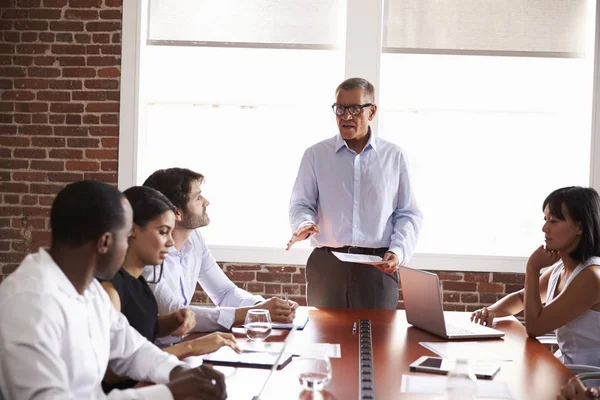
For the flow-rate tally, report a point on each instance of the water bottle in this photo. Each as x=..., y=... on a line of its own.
x=461, y=383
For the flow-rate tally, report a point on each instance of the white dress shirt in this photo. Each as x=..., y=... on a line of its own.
x=194, y=263
x=363, y=199
x=57, y=344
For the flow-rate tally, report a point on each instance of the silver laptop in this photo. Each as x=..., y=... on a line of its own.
x=424, y=310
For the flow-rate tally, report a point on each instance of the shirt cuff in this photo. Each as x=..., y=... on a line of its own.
x=226, y=317
x=162, y=372
x=397, y=250
x=155, y=392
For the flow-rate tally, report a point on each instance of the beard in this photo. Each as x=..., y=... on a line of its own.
x=191, y=221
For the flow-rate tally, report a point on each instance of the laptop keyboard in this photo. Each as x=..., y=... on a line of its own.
x=458, y=330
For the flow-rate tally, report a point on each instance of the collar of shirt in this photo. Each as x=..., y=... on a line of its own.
x=340, y=142
x=59, y=278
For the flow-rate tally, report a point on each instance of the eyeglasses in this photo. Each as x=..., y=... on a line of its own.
x=340, y=110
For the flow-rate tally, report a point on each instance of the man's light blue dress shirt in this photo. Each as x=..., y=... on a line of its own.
x=363, y=200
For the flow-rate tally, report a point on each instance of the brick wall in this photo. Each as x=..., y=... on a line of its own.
x=462, y=291
x=59, y=104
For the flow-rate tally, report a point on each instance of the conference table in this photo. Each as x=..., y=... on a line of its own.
x=533, y=374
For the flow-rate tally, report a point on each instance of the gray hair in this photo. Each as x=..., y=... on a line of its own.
x=357, y=83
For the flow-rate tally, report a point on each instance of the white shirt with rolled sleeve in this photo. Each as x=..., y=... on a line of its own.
x=57, y=344
x=195, y=263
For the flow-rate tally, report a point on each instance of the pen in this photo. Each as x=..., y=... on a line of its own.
x=354, y=328
x=285, y=297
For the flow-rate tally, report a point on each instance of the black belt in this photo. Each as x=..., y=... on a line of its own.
x=358, y=250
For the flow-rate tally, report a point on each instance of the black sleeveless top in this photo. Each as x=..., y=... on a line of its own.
x=139, y=306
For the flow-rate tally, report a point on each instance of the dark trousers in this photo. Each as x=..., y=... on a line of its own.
x=331, y=283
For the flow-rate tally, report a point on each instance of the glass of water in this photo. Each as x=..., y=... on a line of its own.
x=313, y=371
x=258, y=324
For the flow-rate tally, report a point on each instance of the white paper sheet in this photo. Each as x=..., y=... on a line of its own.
x=437, y=385
x=300, y=321
x=473, y=351
x=356, y=258
x=333, y=350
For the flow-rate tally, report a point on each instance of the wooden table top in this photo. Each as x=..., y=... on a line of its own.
x=534, y=374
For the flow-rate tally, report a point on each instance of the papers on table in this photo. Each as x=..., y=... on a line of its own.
x=300, y=321
x=473, y=351
x=356, y=258
x=297, y=349
x=437, y=385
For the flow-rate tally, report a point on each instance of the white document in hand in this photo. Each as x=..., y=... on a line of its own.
x=357, y=258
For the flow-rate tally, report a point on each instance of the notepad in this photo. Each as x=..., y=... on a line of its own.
x=248, y=359
x=357, y=258
x=300, y=321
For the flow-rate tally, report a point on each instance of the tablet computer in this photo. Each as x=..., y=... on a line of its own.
x=436, y=365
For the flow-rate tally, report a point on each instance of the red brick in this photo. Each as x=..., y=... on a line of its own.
x=11, y=198
x=459, y=286
x=116, y=37
x=6, y=211
x=7, y=72
x=110, y=72
x=66, y=61
x=39, y=118
x=45, y=188
x=36, y=211
x=43, y=72
x=66, y=26
x=46, y=95
x=32, y=48
x=64, y=37
x=242, y=267
x=103, y=61
x=102, y=26
x=110, y=119
x=477, y=276
x=102, y=107
x=64, y=177
x=47, y=37
x=29, y=37
x=449, y=276
x=79, y=72
x=8, y=129
x=102, y=154
x=89, y=96
x=13, y=37
x=101, y=38
x=66, y=84
x=508, y=288
x=29, y=200
x=45, y=14
x=44, y=60
x=83, y=38
x=19, y=95
x=469, y=297
x=10, y=234
x=13, y=164
x=85, y=3
x=489, y=298
x=81, y=14
x=82, y=165
x=272, y=289
x=454, y=307
x=255, y=288
x=66, y=108
x=46, y=200
x=113, y=3
x=55, y=3
x=7, y=106
x=14, y=141
x=101, y=84
x=19, y=118
x=29, y=153
x=31, y=83
x=490, y=287
x=35, y=130
x=451, y=297
x=240, y=276
x=31, y=107
x=101, y=176
x=83, y=142
x=110, y=142
x=30, y=177
x=104, y=130
x=73, y=119
x=30, y=25
x=19, y=246
x=23, y=60
x=5, y=153
x=26, y=222
x=109, y=166
x=6, y=84
x=70, y=131
x=10, y=258
x=65, y=154
x=57, y=119
x=91, y=119
x=274, y=277
x=48, y=165
x=299, y=278
x=111, y=14
x=282, y=269
x=15, y=14
x=508, y=278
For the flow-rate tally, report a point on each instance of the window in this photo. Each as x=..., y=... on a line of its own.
x=484, y=100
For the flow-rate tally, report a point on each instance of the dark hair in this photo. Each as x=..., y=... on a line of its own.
x=84, y=211
x=583, y=206
x=147, y=204
x=357, y=83
x=174, y=183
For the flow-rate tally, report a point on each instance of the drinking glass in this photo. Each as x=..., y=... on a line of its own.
x=258, y=324
x=313, y=371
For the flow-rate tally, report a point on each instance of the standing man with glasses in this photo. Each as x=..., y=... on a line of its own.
x=353, y=195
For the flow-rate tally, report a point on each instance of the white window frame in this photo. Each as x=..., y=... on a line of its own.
x=363, y=55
